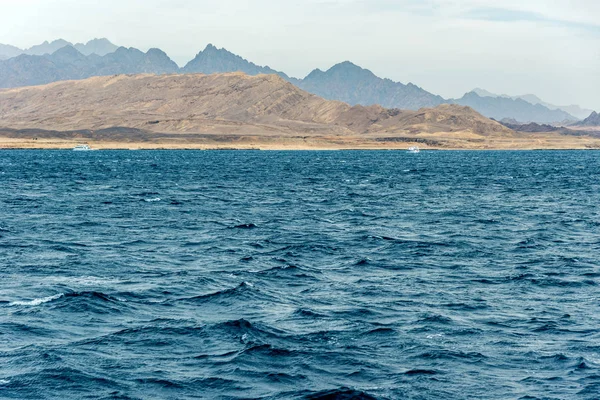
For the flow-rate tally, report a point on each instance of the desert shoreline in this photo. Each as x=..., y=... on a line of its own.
x=6, y=145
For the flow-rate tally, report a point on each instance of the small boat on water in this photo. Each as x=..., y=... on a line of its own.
x=81, y=147
x=414, y=149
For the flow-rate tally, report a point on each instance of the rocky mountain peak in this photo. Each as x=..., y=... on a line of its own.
x=592, y=120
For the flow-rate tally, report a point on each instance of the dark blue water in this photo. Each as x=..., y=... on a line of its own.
x=292, y=275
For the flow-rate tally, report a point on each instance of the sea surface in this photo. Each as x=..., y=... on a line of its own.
x=299, y=275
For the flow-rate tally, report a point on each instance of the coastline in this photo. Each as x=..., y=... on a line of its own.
x=222, y=142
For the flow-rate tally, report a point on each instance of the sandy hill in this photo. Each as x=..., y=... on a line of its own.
x=220, y=103
x=60, y=60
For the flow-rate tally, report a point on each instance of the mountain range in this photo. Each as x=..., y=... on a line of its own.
x=345, y=81
x=592, y=120
x=236, y=110
x=99, y=47
x=68, y=63
x=213, y=61
x=223, y=103
x=574, y=110
x=518, y=109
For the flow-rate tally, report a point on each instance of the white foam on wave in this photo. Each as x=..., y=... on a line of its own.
x=84, y=280
x=152, y=200
x=37, y=302
x=4, y=382
x=433, y=336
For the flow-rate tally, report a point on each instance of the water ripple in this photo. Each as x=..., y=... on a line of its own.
x=299, y=275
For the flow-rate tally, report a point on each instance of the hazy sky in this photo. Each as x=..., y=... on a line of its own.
x=547, y=47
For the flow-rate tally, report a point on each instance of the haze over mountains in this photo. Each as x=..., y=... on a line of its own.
x=518, y=109
x=67, y=63
x=592, y=121
x=574, y=110
x=347, y=82
x=100, y=47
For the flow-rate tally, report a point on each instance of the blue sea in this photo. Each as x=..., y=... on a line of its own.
x=299, y=275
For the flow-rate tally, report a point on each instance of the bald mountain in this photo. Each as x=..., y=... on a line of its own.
x=223, y=103
x=345, y=82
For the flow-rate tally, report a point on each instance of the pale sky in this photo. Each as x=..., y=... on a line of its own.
x=547, y=47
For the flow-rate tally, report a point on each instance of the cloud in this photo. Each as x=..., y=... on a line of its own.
x=511, y=15
x=502, y=14
x=548, y=47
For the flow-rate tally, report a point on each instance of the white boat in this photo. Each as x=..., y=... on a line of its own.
x=414, y=149
x=81, y=147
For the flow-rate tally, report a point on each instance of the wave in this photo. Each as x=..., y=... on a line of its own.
x=243, y=287
x=37, y=302
x=451, y=354
x=418, y=244
x=160, y=382
x=425, y=290
x=420, y=372
x=91, y=295
x=436, y=319
x=63, y=377
x=245, y=330
x=291, y=271
x=381, y=331
x=85, y=301
x=245, y=226
x=282, y=268
x=305, y=312
x=160, y=332
x=340, y=394
x=268, y=350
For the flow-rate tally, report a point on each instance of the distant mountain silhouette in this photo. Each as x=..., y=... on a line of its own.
x=47, y=47
x=134, y=61
x=592, y=120
x=518, y=109
x=100, y=47
x=345, y=82
x=213, y=60
x=358, y=86
x=67, y=63
x=574, y=110
x=532, y=127
x=8, y=51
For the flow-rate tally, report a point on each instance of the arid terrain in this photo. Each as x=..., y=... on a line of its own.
x=234, y=110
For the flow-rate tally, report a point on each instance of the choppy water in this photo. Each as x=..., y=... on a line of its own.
x=291, y=275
